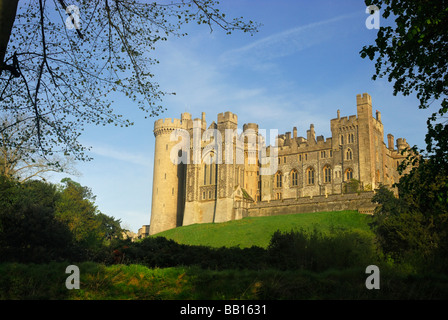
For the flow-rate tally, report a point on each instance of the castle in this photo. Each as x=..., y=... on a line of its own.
x=215, y=174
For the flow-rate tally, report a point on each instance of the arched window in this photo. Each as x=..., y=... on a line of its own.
x=349, y=154
x=342, y=139
x=349, y=174
x=209, y=169
x=310, y=175
x=294, y=178
x=327, y=174
x=351, y=138
x=278, y=179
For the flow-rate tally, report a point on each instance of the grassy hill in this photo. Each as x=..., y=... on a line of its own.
x=257, y=231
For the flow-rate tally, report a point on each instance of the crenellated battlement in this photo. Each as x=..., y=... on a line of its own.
x=167, y=125
x=365, y=98
x=308, y=171
x=227, y=116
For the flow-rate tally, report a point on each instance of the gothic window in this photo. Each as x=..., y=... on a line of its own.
x=294, y=178
x=278, y=179
x=310, y=175
x=209, y=170
x=351, y=138
x=342, y=139
x=348, y=174
x=327, y=174
x=349, y=154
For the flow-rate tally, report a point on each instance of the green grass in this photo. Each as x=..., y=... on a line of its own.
x=258, y=231
x=137, y=282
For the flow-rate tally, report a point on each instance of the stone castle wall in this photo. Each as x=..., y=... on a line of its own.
x=312, y=173
x=335, y=202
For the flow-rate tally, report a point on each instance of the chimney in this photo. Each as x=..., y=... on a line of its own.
x=294, y=132
x=390, y=141
x=310, y=135
x=378, y=116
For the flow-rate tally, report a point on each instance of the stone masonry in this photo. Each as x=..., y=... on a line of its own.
x=204, y=174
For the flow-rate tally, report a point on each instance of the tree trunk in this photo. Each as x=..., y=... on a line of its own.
x=8, y=10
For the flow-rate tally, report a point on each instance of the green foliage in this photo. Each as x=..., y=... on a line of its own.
x=136, y=282
x=315, y=251
x=29, y=230
x=412, y=54
x=407, y=234
x=161, y=252
x=41, y=222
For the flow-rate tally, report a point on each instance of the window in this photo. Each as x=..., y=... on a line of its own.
x=351, y=138
x=322, y=154
x=209, y=194
x=349, y=154
x=203, y=195
x=278, y=196
x=306, y=156
x=300, y=157
x=342, y=139
x=211, y=173
x=327, y=174
x=278, y=179
x=284, y=159
x=310, y=175
x=349, y=174
x=331, y=153
x=294, y=178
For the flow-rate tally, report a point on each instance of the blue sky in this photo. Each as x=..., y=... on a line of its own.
x=301, y=67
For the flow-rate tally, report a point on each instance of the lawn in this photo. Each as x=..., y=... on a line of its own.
x=258, y=231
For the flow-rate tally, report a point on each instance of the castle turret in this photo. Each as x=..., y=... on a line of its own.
x=168, y=179
x=401, y=144
x=365, y=137
x=390, y=141
x=311, y=135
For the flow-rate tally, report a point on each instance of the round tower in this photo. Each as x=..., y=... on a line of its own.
x=168, y=178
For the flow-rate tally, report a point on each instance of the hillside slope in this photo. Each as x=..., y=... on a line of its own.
x=258, y=231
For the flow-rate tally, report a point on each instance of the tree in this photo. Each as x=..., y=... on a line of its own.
x=55, y=80
x=413, y=54
x=20, y=160
x=29, y=230
x=75, y=207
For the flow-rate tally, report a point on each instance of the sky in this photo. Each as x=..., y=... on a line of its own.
x=299, y=69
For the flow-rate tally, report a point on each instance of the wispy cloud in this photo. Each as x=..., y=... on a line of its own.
x=121, y=155
x=286, y=42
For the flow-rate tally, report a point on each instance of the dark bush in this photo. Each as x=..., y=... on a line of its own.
x=316, y=251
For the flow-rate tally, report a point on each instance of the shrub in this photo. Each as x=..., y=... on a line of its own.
x=316, y=251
